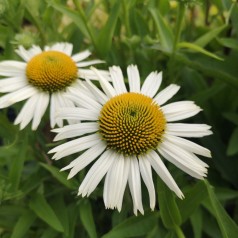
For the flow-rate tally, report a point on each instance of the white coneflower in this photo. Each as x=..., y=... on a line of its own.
x=128, y=132
x=43, y=78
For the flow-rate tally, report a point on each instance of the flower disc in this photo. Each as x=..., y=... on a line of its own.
x=131, y=123
x=51, y=71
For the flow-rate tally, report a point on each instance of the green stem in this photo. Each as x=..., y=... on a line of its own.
x=82, y=15
x=179, y=232
x=126, y=18
x=179, y=24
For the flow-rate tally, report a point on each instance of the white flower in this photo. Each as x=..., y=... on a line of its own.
x=43, y=78
x=128, y=132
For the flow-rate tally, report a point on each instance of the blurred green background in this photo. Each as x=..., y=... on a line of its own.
x=195, y=44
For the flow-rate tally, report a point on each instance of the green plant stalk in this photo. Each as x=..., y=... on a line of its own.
x=179, y=232
x=82, y=15
x=178, y=26
x=126, y=18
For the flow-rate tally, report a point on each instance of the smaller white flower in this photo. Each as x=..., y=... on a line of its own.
x=45, y=77
x=128, y=132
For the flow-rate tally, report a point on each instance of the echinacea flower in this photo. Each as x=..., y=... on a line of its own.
x=128, y=131
x=43, y=78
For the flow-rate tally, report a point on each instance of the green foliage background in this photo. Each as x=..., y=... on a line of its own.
x=195, y=44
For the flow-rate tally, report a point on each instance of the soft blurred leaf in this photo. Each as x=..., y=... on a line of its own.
x=233, y=117
x=44, y=211
x=23, y=224
x=169, y=211
x=209, y=36
x=227, y=225
x=228, y=42
x=197, y=223
x=134, y=226
x=193, y=198
x=165, y=33
x=87, y=218
x=233, y=143
x=104, y=41
x=61, y=176
x=197, y=48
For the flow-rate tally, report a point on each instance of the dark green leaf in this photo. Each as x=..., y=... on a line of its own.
x=233, y=143
x=43, y=210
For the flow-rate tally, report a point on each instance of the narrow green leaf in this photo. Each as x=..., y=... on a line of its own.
x=44, y=211
x=227, y=225
x=193, y=198
x=61, y=176
x=73, y=15
x=233, y=143
x=197, y=223
x=228, y=42
x=165, y=33
x=169, y=211
x=18, y=162
x=134, y=226
x=23, y=224
x=87, y=218
x=197, y=48
x=209, y=36
x=104, y=41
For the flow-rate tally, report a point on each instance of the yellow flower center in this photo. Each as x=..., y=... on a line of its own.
x=51, y=71
x=131, y=123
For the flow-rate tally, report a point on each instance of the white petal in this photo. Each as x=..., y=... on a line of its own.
x=12, y=68
x=115, y=182
x=40, y=109
x=101, y=97
x=24, y=54
x=167, y=93
x=83, y=100
x=133, y=78
x=27, y=112
x=85, y=159
x=151, y=84
x=81, y=56
x=62, y=47
x=77, y=114
x=106, y=86
x=95, y=174
x=12, y=84
x=17, y=96
x=146, y=174
x=188, y=145
x=135, y=185
x=74, y=130
x=188, y=130
x=180, y=110
x=117, y=79
x=182, y=159
x=75, y=146
x=88, y=63
x=53, y=110
x=163, y=173
x=90, y=74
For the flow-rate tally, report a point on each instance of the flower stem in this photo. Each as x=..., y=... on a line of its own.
x=179, y=232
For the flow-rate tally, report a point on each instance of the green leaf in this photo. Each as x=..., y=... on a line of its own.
x=233, y=143
x=227, y=226
x=134, y=226
x=193, y=198
x=197, y=223
x=73, y=15
x=104, y=41
x=197, y=48
x=165, y=33
x=61, y=176
x=169, y=211
x=23, y=224
x=44, y=211
x=87, y=218
x=228, y=42
x=209, y=36
x=233, y=117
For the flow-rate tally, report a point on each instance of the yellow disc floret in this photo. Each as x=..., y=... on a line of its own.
x=51, y=71
x=131, y=123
